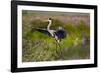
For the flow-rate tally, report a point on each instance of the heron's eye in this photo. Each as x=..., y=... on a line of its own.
x=50, y=19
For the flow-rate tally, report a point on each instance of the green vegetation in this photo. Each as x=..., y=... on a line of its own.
x=40, y=47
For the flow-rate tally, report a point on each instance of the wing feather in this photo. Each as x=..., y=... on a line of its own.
x=44, y=31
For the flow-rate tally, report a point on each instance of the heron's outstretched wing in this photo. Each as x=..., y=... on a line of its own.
x=44, y=31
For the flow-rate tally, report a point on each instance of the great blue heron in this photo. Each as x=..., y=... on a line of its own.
x=58, y=34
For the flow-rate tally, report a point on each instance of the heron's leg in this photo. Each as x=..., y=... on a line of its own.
x=57, y=41
x=58, y=45
x=60, y=49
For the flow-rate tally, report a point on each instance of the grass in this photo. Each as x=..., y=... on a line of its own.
x=39, y=47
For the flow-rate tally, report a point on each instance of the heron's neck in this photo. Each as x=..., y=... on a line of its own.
x=48, y=27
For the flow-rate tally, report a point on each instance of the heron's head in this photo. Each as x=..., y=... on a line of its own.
x=49, y=19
